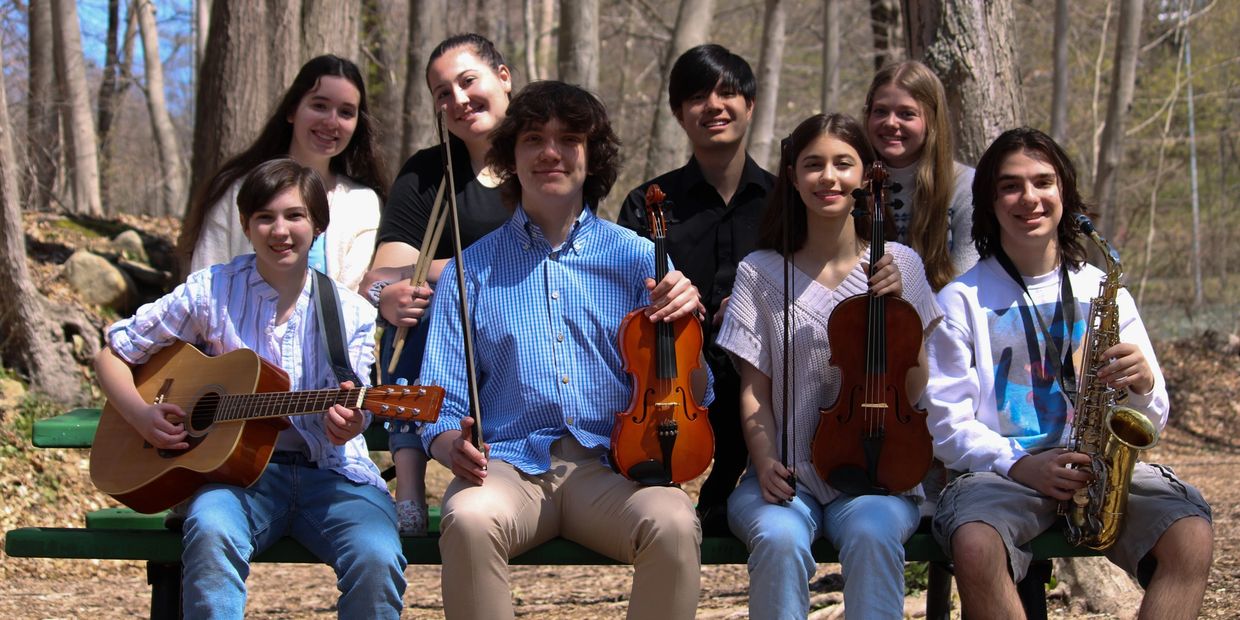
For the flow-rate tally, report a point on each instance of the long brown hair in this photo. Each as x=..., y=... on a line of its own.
x=361, y=160
x=771, y=231
x=936, y=170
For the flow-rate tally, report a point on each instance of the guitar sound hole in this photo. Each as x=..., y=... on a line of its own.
x=202, y=416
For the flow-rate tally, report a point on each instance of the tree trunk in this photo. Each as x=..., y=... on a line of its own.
x=386, y=68
x=426, y=30
x=80, y=127
x=885, y=29
x=667, y=141
x=530, y=42
x=969, y=44
x=161, y=122
x=42, y=129
x=234, y=85
x=1123, y=85
x=286, y=48
x=579, y=43
x=202, y=26
x=1102, y=586
x=830, y=55
x=109, y=94
x=546, y=38
x=330, y=27
x=32, y=343
x=761, y=134
x=1059, y=91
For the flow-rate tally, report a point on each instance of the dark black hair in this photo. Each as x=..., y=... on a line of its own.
x=481, y=46
x=842, y=126
x=361, y=160
x=701, y=68
x=272, y=177
x=576, y=108
x=985, y=191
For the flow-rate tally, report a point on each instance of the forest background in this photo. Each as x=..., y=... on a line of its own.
x=113, y=111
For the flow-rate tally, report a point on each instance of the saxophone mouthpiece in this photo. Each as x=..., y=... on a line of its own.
x=1086, y=225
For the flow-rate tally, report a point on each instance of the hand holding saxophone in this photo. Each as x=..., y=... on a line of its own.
x=1128, y=368
x=1050, y=474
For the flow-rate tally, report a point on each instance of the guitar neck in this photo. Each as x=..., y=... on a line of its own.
x=234, y=407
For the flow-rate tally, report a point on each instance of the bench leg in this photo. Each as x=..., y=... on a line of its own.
x=939, y=592
x=165, y=580
x=1032, y=589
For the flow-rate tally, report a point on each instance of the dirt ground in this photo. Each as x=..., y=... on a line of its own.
x=52, y=488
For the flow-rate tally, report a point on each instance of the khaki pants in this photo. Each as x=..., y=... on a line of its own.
x=583, y=500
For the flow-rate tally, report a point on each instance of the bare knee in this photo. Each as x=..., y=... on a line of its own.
x=978, y=548
x=1186, y=548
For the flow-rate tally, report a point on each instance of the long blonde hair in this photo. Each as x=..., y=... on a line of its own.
x=936, y=170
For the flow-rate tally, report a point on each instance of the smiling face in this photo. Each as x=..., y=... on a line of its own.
x=475, y=95
x=827, y=170
x=324, y=121
x=1028, y=205
x=551, y=165
x=896, y=126
x=719, y=117
x=281, y=233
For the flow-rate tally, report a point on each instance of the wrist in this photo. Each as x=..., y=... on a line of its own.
x=376, y=291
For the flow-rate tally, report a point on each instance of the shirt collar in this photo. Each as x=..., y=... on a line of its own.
x=751, y=174
x=530, y=235
x=264, y=290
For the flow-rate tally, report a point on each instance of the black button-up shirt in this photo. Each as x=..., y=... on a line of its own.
x=705, y=237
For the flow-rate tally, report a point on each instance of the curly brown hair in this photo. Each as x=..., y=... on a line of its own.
x=576, y=108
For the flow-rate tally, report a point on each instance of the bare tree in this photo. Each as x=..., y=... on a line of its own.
x=667, y=142
x=546, y=38
x=770, y=64
x=885, y=30
x=31, y=342
x=384, y=23
x=330, y=27
x=80, y=127
x=426, y=29
x=1059, y=91
x=42, y=129
x=830, y=55
x=969, y=44
x=1123, y=83
x=110, y=91
x=530, y=42
x=238, y=69
x=579, y=43
x=169, y=150
x=202, y=25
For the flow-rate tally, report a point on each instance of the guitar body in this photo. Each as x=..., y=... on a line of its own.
x=147, y=479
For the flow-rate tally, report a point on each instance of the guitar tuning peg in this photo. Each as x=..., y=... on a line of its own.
x=895, y=187
x=897, y=204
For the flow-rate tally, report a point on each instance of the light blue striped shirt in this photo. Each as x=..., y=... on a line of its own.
x=546, y=323
x=228, y=307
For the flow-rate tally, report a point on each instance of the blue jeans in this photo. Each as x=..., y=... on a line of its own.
x=869, y=531
x=350, y=526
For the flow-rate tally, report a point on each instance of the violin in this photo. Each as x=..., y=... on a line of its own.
x=873, y=440
x=664, y=437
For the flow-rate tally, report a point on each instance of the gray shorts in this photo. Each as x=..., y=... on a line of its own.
x=1156, y=499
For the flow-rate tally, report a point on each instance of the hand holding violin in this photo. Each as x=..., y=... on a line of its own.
x=672, y=298
x=886, y=278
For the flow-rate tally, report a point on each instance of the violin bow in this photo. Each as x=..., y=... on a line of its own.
x=471, y=370
x=785, y=148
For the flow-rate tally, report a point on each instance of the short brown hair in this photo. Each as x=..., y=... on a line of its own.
x=274, y=176
x=580, y=111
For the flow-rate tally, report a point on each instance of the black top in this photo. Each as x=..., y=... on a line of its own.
x=705, y=237
x=413, y=194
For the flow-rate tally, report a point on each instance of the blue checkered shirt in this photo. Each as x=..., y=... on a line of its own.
x=546, y=323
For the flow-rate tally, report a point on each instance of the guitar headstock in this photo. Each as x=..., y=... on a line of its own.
x=406, y=403
x=656, y=219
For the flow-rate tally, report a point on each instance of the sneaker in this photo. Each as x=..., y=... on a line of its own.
x=411, y=518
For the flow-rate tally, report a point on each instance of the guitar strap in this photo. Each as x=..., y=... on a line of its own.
x=331, y=331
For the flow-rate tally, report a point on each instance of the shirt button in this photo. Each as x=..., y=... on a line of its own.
x=559, y=337
x=564, y=379
x=569, y=421
x=555, y=294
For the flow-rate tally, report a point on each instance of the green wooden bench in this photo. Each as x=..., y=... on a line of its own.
x=122, y=534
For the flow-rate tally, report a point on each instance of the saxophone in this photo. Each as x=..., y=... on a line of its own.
x=1111, y=434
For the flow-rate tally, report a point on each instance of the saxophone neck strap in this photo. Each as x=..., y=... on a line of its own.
x=1061, y=365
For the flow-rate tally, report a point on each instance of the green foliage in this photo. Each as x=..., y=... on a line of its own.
x=916, y=577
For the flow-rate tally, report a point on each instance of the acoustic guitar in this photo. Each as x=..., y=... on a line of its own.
x=235, y=405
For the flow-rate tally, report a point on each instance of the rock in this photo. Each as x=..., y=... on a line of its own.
x=129, y=245
x=144, y=274
x=97, y=281
x=11, y=394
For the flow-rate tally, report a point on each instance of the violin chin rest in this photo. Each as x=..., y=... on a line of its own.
x=854, y=481
x=650, y=473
